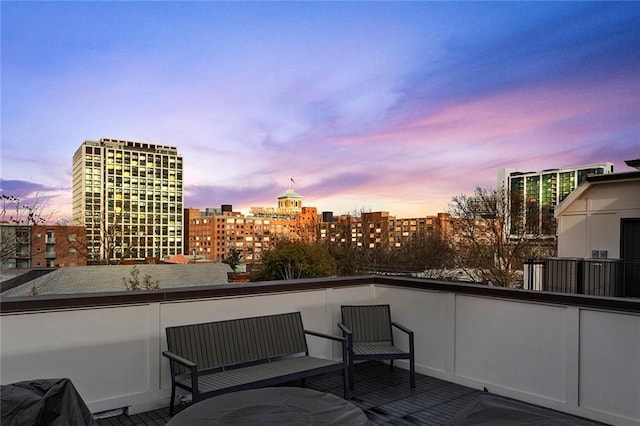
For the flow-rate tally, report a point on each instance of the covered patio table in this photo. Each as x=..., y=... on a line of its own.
x=272, y=406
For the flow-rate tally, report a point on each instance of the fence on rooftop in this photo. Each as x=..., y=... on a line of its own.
x=594, y=277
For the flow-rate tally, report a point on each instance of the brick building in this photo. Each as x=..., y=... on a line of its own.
x=379, y=230
x=42, y=246
x=212, y=233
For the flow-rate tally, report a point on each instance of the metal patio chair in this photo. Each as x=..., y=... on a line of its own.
x=368, y=330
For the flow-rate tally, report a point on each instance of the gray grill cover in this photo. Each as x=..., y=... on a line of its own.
x=52, y=402
x=492, y=410
x=276, y=406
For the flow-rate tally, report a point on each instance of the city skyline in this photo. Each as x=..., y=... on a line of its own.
x=386, y=106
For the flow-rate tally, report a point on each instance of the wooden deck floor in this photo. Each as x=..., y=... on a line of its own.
x=384, y=396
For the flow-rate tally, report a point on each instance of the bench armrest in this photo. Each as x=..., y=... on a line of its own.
x=179, y=359
x=344, y=329
x=402, y=327
x=193, y=373
x=326, y=336
x=344, y=342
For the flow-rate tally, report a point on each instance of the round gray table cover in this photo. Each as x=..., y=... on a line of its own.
x=272, y=406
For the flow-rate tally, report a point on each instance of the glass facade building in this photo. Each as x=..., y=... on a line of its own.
x=534, y=195
x=129, y=195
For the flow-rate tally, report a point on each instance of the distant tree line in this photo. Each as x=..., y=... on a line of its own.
x=298, y=259
x=480, y=243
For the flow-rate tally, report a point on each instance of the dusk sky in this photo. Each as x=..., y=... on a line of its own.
x=392, y=106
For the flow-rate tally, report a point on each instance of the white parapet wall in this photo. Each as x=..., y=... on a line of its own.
x=577, y=360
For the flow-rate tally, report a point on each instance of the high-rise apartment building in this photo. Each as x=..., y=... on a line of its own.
x=534, y=195
x=129, y=196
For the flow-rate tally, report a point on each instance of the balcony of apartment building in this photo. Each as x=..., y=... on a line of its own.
x=569, y=353
x=23, y=253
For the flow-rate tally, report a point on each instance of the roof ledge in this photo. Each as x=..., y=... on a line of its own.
x=635, y=163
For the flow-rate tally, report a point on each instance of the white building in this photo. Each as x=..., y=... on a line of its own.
x=601, y=219
x=129, y=196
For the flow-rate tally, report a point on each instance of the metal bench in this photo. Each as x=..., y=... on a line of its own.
x=368, y=330
x=226, y=356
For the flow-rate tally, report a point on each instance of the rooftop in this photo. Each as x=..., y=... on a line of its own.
x=385, y=397
x=571, y=353
x=108, y=278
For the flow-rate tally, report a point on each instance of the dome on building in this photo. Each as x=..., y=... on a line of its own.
x=290, y=202
x=290, y=193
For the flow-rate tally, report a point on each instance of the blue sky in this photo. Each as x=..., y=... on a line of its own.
x=393, y=106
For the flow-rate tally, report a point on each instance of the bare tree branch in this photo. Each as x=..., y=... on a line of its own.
x=489, y=238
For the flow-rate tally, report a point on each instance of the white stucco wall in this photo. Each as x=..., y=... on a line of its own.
x=577, y=360
x=591, y=221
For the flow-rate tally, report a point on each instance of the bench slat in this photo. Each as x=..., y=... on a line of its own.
x=250, y=375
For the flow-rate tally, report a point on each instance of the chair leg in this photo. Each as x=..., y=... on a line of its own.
x=351, y=371
x=173, y=395
x=345, y=382
x=391, y=365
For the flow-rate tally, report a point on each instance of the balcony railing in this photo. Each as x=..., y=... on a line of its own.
x=23, y=254
x=577, y=354
x=50, y=254
x=596, y=277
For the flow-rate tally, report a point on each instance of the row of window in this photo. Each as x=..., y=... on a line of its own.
x=117, y=170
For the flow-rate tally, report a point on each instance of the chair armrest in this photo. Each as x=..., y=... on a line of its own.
x=326, y=336
x=180, y=360
x=344, y=328
x=402, y=327
x=409, y=334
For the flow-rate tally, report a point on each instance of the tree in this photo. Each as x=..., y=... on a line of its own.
x=425, y=251
x=133, y=283
x=482, y=243
x=24, y=215
x=346, y=256
x=289, y=260
x=109, y=246
x=23, y=212
x=233, y=259
x=344, y=244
